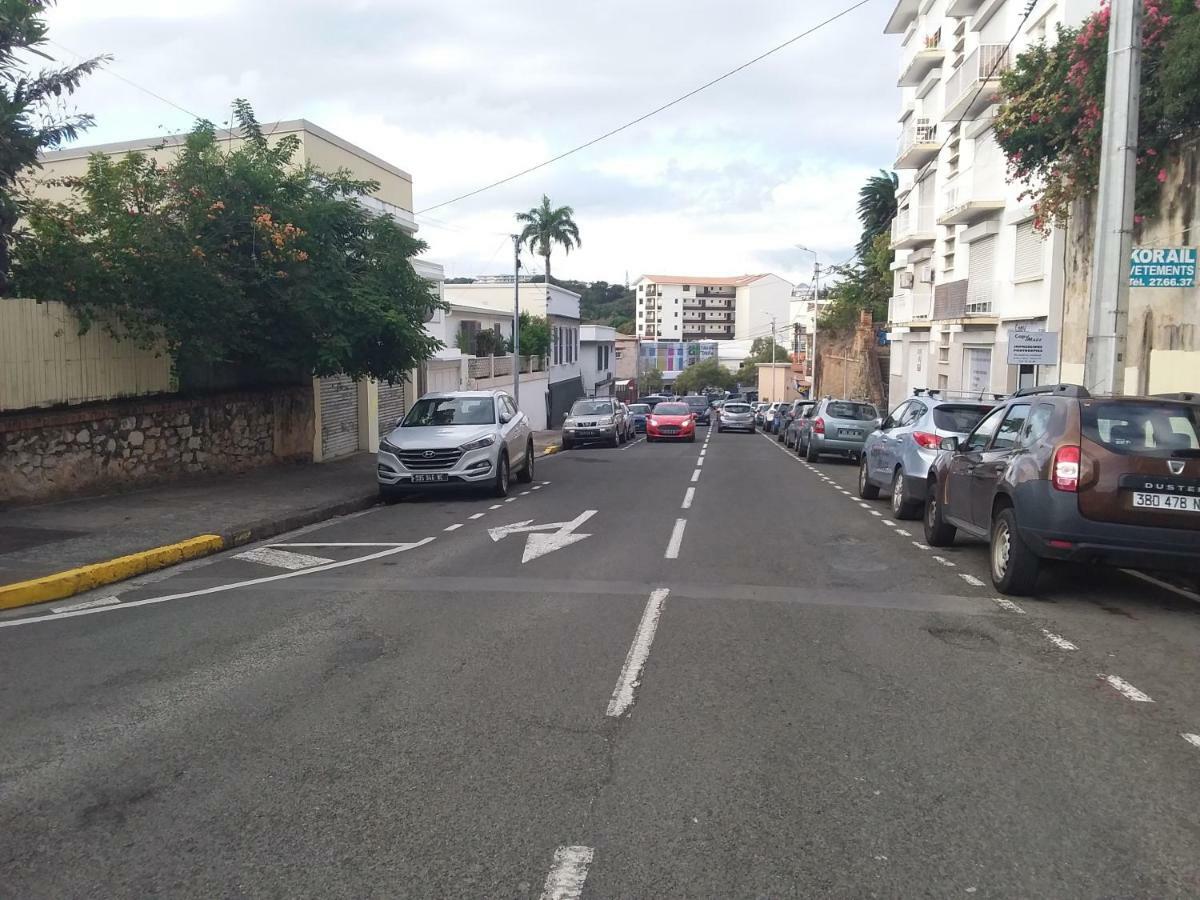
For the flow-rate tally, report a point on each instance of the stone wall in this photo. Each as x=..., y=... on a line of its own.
x=118, y=445
x=849, y=364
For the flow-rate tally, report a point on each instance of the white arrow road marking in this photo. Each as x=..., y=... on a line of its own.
x=540, y=544
x=281, y=559
x=567, y=874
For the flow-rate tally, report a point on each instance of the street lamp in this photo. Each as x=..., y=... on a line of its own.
x=816, y=314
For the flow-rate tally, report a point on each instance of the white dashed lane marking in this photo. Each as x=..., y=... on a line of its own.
x=970, y=579
x=1004, y=603
x=688, y=495
x=903, y=532
x=639, y=650
x=494, y=506
x=920, y=546
x=1058, y=640
x=945, y=562
x=453, y=527
x=676, y=539
x=1193, y=739
x=696, y=476
x=1126, y=689
x=476, y=516
x=88, y=604
x=567, y=874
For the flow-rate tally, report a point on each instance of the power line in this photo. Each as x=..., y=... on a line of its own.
x=653, y=112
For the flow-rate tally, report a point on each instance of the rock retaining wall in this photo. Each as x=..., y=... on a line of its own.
x=122, y=444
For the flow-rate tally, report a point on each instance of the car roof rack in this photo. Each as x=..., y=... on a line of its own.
x=1185, y=396
x=1063, y=390
x=942, y=394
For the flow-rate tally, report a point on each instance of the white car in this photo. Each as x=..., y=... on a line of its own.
x=456, y=438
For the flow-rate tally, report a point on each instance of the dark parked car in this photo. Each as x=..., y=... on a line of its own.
x=836, y=428
x=638, y=412
x=1054, y=473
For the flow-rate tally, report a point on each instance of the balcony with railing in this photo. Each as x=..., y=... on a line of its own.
x=960, y=9
x=968, y=199
x=975, y=84
x=918, y=144
x=908, y=307
x=716, y=292
x=913, y=227
x=927, y=55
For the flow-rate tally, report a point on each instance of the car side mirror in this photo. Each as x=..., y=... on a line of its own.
x=399, y=422
x=505, y=418
x=949, y=443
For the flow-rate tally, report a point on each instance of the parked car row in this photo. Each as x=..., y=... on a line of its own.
x=1048, y=474
x=600, y=420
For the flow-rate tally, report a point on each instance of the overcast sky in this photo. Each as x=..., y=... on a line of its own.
x=462, y=92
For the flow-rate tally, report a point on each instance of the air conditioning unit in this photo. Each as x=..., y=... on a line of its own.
x=927, y=275
x=906, y=279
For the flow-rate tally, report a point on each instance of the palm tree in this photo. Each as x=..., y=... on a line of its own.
x=545, y=227
x=876, y=207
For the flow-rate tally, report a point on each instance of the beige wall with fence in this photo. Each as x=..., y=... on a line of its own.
x=44, y=361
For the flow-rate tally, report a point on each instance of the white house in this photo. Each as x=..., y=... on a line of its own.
x=597, y=359
x=970, y=268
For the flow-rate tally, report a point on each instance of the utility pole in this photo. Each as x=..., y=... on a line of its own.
x=812, y=395
x=772, y=354
x=1108, y=319
x=517, y=318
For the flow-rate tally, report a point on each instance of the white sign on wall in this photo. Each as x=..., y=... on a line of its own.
x=1032, y=348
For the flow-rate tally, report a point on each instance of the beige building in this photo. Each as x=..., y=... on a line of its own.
x=350, y=416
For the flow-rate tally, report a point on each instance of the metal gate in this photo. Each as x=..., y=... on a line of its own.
x=391, y=406
x=339, y=416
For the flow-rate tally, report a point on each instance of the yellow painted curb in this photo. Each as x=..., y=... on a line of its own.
x=553, y=448
x=75, y=581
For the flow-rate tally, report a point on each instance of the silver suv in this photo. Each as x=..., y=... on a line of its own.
x=456, y=437
x=602, y=419
x=836, y=428
x=898, y=454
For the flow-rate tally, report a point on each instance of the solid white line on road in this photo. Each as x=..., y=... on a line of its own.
x=494, y=506
x=476, y=516
x=343, y=544
x=1058, y=640
x=676, y=539
x=1004, y=603
x=1165, y=585
x=1193, y=739
x=88, y=604
x=695, y=476
x=635, y=659
x=970, y=579
x=920, y=546
x=281, y=559
x=631, y=443
x=687, y=498
x=1126, y=689
x=151, y=601
x=568, y=873
x=945, y=562
x=903, y=532
x=453, y=527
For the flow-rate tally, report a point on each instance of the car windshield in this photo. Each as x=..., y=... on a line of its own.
x=858, y=412
x=591, y=408
x=1144, y=428
x=434, y=411
x=672, y=409
x=737, y=407
x=696, y=402
x=639, y=409
x=959, y=418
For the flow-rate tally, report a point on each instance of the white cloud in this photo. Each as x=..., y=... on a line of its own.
x=461, y=93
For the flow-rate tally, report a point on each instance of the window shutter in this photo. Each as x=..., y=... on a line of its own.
x=1028, y=263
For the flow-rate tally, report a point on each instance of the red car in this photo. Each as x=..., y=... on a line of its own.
x=671, y=422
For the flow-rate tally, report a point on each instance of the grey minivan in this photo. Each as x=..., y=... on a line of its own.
x=837, y=428
x=898, y=454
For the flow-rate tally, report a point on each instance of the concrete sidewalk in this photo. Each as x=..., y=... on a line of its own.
x=45, y=540
x=55, y=550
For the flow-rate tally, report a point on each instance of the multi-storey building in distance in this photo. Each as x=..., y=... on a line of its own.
x=705, y=308
x=970, y=266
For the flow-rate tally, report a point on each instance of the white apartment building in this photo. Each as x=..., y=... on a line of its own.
x=970, y=268
x=706, y=308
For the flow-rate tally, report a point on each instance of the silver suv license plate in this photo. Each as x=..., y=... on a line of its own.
x=422, y=479
x=1175, y=502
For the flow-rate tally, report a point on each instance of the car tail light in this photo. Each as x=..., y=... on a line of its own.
x=819, y=425
x=1066, y=469
x=926, y=440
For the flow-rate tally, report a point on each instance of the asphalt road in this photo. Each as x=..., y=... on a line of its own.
x=743, y=682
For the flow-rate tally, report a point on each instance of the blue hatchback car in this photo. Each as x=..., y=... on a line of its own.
x=638, y=413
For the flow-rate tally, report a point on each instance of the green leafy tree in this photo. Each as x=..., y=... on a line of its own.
x=708, y=373
x=876, y=208
x=546, y=226
x=651, y=381
x=865, y=284
x=234, y=256
x=486, y=342
x=535, y=335
x=31, y=115
x=760, y=352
